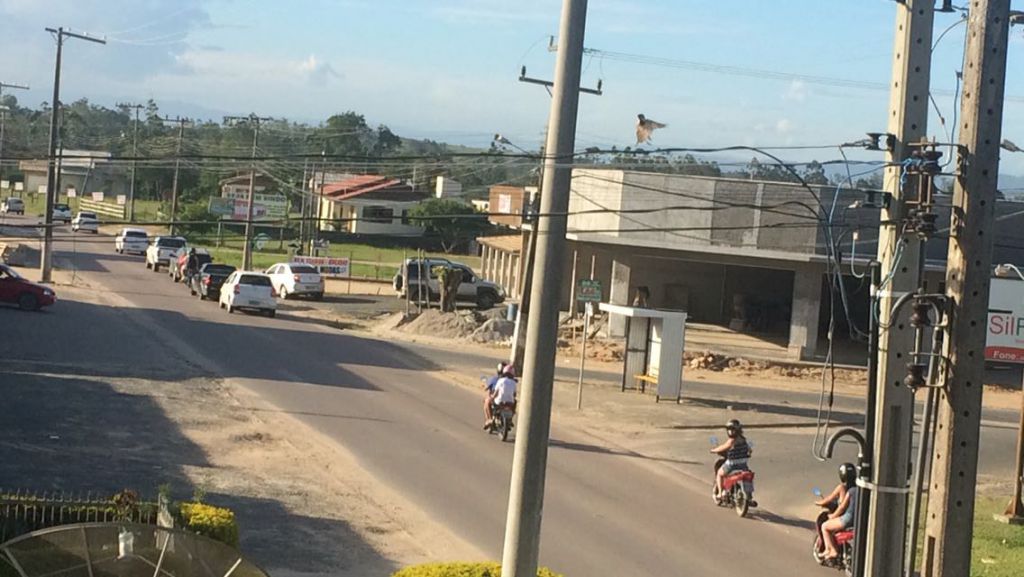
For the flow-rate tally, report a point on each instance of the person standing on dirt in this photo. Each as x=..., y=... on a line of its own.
x=443, y=273
x=454, y=280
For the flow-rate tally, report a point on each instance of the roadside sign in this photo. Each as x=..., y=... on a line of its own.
x=42, y=189
x=5, y=184
x=122, y=199
x=97, y=196
x=1005, y=340
x=588, y=291
x=264, y=207
x=19, y=186
x=72, y=193
x=330, y=267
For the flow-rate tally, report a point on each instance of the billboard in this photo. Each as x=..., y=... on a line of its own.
x=264, y=207
x=1005, y=327
x=329, y=267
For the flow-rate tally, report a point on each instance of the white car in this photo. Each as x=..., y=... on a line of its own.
x=85, y=221
x=62, y=213
x=12, y=205
x=249, y=291
x=160, y=250
x=131, y=240
x=294, y=279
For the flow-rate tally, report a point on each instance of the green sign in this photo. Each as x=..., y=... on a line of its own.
x=588, y=291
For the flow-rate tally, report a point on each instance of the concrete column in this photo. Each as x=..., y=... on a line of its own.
x=618, y=294
x=485, y=257
x=803, y=324
x=514, y=288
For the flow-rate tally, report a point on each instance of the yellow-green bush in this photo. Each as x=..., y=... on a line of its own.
x=213, y=522
x=462, y=570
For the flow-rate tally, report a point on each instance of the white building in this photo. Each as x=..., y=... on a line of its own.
x=370, y=204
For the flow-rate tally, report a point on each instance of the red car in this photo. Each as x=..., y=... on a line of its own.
x=28, y=295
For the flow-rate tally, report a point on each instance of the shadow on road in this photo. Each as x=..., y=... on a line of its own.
x=587, y=448
x=770, y=517
x=785, y=410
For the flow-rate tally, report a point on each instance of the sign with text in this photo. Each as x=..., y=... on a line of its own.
x=98, y=196
x=41, y=189
x=328, y=266
x=122, y=199
x=72, y=193
x=588, y=291
x=5, y=184
x=264, y=207
x=19, y=186
x=1005, y=340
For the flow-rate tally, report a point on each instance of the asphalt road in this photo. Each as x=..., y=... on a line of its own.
x=606, y=513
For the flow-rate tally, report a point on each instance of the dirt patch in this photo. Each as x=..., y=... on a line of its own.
x=488, y=327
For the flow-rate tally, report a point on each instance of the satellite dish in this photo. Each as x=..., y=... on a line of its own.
x=122, y=549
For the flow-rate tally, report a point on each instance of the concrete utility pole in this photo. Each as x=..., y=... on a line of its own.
x=954, y=472
x=177, y=168
x=3, y=120
x=46, y=254
x=135, y=155
x=255, y=121
x=526, y=495
x=891, y=438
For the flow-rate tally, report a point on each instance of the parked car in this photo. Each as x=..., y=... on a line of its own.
x=249, y=291
x=160, y=250
x=131, y=240
x=28, y=295
x=178, y=269
x=85, y=221
x=473, y=289
x=62, y=213
x=207, y=282
x=296, y=279
x=12, y=205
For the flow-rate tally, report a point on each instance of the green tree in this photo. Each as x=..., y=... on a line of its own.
x=451, y=221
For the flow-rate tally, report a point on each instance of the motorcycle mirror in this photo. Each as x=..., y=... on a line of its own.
x=817, y=492
x=714, y=441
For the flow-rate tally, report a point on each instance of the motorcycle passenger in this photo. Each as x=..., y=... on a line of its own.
x=844, y=496
x=489, y=394
x=505, y=389
x=736, y=451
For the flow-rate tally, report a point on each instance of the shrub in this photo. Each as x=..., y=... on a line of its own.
x=485, y=569
x=213, y=522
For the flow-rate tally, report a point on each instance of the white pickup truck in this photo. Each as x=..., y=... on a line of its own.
x=131, y=240
x=160, y=250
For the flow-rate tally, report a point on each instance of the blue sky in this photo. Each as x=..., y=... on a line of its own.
x=446, y=69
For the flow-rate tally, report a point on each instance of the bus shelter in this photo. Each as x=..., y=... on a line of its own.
x=654, y=349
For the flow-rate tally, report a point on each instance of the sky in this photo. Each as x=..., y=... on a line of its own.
x=447, y=69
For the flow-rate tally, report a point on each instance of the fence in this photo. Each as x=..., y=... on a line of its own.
x=22, y=512
x=101, y=208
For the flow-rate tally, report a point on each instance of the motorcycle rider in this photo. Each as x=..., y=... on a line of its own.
x=489, y=394
x=844, y=496
x=504, y=392
x=736, y=451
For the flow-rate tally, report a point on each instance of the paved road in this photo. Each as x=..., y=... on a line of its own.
x=606, y=513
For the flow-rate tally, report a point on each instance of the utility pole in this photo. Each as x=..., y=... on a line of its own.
x=526, y=495
x=46, y=254
x=304, y=212
x=3, y=119
x=954, y=471
x=890, y=440
x=177, y=167
x=255, y=122
x=135, y=155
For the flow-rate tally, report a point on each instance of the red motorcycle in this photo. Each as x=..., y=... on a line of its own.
x=737, y=488
x=844, y=542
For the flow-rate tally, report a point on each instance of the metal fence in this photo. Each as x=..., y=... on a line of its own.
x=26, y=511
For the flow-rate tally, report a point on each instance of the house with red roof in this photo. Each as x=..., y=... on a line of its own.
x=370, y=204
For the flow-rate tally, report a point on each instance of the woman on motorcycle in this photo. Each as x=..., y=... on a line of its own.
x=845, y=498
x=736, y=451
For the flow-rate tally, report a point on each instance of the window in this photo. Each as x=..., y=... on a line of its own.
x=405, y=217
x=254, y=280
x=303, y=269
x=378, y=214
x=135, y=234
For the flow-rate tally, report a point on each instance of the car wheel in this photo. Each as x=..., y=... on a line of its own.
x=271, y=313
x=318, y=296
x=220, y=304
x=28, y=302
x=485, y=300
x=284, y=293
x=202, y=297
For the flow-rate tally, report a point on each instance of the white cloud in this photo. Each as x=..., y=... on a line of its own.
x=796, y=91
x=783, y=126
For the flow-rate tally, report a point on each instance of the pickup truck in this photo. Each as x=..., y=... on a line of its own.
x=131, y=240
x=473, y=289
x=160, y=250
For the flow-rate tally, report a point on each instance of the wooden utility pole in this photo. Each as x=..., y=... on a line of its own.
x=954, y=471
x=135, y=156
x=172, y=228
x=255, y=122
x=890, y=436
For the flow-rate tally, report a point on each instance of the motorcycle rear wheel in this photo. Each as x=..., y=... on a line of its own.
x=740, y=500
x=506, y=426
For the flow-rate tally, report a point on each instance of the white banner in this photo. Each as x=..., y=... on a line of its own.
x=19, y=186
x=72, y=193
x=5, y=184
x=122, y=199
x=97, y=196
x=330, y=267
x=42, y=189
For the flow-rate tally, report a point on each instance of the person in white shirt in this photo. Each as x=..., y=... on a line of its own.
x=504, y=390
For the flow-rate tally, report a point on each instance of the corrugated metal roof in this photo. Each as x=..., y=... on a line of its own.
x=512, y=243
x=373, y=187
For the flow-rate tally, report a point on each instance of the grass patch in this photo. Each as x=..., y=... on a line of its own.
x=998, y=548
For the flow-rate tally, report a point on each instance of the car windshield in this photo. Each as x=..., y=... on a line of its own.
x=6, y=272
x=91, y=215
x=219, y=269
x=254, y=280
x=61, y=207
x=135, y=234
x=171, y=242
x=303, y=269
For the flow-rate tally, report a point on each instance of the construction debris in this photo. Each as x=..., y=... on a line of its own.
x=481, y=327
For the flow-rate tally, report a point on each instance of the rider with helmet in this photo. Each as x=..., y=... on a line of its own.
x=493, y=393
x=735, y=449
x=844, y=496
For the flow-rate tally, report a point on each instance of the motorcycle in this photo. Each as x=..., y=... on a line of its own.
x=737, y=488
x=844, y=541
x=501, y=420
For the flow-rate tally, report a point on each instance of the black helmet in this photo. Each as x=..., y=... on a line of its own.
x=848, y=474
x=501, y=368
x=733, y=427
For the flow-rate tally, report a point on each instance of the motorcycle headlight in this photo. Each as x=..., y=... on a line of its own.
x=48, y=292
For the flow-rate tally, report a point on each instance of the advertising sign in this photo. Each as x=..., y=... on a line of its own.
x=72, y=193
x=1005, y=341
x=328, y=267
x=588, y=291
x=5, y=184
x=19, y=186
x=122, y=199
x=42, y=189
x=264, y=207
x=98, y=196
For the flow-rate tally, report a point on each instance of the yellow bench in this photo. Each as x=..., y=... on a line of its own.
x=642, y=380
